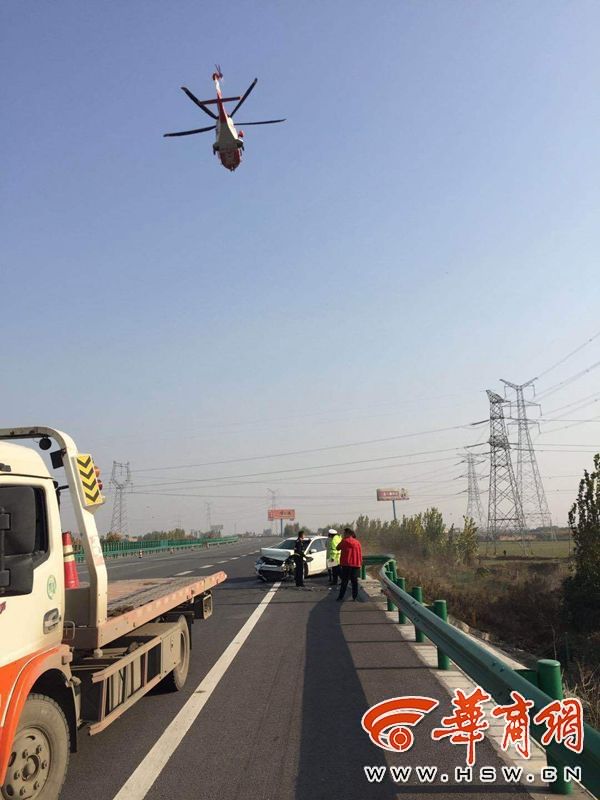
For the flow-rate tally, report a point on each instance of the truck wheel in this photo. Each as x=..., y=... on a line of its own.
x=175, y=680
x=38, y=762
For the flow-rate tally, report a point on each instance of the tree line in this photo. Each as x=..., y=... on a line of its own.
x=425, y=535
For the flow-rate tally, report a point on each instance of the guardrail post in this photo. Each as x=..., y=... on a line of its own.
x=401, y=584
x=363, y=572
x=440, y=609
x=417, y=593
x=388, y=572
x=550, y=681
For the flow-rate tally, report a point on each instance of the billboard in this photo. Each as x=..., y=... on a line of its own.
x=281, y=513
x=392, y=494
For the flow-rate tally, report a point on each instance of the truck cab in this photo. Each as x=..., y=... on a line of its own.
x=32, y=592
x=73, y=657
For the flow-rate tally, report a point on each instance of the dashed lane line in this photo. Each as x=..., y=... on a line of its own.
x=137, y=786
x=187, y=572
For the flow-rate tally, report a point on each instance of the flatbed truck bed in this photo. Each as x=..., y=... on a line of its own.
x=133, y=603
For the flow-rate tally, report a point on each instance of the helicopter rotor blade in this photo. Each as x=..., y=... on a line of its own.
x=264, y=122
x=195, y=100
x=189, y=133
x=244, y=96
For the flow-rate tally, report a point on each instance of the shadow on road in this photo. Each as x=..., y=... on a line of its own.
x=333, y=748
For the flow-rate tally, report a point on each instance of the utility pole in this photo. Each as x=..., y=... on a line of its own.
x=529, y=480
x=474, y=506
x=505, y=512
x=273, y=494
x=120, y=479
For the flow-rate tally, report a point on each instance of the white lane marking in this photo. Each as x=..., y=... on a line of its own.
x=234, y=558
x=139, y=783
x=187, y=572
x=206, y=566
x=222, y=562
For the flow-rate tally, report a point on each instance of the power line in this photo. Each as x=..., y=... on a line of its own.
x=303, y=469
x=232, y=480
x=565, y=419
x=335, y=499
x=310, y=450
x=437, y=481
x=567, y=381
x=574, y=424
x=568, y=356
x=334, y=412
x=291, y=495
x=583, y=400
x=275, y=479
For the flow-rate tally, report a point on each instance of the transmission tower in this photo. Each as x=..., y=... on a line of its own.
x=474, y=506
x=529, y=480
x=120, y=479
x=505, y=512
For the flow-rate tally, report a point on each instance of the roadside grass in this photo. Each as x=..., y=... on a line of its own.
x=535, y=549
x=518, y=603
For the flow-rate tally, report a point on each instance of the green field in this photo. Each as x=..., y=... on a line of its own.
x=539, y=549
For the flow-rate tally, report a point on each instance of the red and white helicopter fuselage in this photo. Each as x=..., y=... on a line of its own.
x=228, y=144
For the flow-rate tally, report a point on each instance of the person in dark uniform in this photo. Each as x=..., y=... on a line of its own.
x=299, y=558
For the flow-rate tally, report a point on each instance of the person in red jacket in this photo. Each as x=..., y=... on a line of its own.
x=350, y=562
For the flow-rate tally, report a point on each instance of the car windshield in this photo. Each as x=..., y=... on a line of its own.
x=288, y=544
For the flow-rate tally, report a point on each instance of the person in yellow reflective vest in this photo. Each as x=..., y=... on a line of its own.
x=333, y=556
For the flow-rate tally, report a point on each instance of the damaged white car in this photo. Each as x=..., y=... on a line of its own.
x=277, y=563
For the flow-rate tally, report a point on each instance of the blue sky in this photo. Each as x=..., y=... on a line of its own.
x=424, y=223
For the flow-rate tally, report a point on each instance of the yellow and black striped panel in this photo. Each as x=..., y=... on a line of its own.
x=89, y=482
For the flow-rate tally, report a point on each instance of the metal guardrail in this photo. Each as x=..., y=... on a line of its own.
x=373, y=560
x=496, y=677
x=120, y=549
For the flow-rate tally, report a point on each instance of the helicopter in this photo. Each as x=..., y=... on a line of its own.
x=229, y=142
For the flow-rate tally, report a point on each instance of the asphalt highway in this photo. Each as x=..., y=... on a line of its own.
x=279, y=680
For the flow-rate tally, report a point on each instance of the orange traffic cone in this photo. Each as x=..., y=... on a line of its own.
x=71, y=576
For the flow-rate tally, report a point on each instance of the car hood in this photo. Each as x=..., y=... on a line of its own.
x=276, y=552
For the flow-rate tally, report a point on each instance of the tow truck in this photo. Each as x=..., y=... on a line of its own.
x=73, y=658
